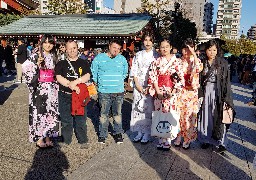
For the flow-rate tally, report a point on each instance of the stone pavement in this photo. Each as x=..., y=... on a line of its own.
x=20, y=159
x=135, y=161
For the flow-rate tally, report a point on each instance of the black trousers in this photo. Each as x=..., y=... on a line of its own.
x=69, y=122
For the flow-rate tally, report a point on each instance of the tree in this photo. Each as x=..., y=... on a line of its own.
x=239, y=46
x=57, y=7
x=160, y=17
x=169, y=24
x=8, y=18
x=182, y=28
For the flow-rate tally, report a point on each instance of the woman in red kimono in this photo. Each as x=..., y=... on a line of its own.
x=166, y=79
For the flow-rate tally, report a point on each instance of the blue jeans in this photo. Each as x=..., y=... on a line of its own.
x=107, y=101
x=68, y=122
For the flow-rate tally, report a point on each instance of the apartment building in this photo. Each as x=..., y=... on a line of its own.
x=228, y=18
x=95, y=6
x=43, y=6
x=200, y=12
x=131, y=6
x=251, y=34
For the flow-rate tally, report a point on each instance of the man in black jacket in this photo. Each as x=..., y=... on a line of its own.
x=6, y=55
x=21, y=58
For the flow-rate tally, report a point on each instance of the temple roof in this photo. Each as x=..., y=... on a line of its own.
x=78, y=25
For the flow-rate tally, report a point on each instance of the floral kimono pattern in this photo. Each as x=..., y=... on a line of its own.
x=189, y=100
x=43, y=100
x=143, y=105
x=166, y=68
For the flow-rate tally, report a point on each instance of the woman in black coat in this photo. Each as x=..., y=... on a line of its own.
x=215, y=90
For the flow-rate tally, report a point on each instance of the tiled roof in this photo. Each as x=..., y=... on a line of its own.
x=78, y=25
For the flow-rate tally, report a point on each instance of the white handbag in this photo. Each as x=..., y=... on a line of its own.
x=165, y=125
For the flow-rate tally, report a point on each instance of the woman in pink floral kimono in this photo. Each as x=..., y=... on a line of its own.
x=166, y=79
x=189, y=100
x=43, y=93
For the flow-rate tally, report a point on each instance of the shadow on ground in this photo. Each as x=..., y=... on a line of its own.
x=6, y=92
x=48, y=164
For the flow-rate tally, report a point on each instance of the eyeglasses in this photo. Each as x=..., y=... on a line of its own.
x=61, y=47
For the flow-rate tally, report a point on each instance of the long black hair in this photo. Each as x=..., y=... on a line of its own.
x=208, y=45
x=148, y=34
x=52, y=41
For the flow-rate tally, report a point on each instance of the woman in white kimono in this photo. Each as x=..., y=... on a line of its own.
x=143, y=103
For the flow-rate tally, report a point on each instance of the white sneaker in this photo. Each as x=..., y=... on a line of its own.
x=138, y=137
x=145, y=139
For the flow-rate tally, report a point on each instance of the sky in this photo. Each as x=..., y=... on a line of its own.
x=247, y=19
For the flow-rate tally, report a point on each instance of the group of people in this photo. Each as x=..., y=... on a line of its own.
x=195, y=88
x=53, y=84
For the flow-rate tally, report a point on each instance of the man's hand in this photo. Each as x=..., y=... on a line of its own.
x=77, y=89
x=73, y=84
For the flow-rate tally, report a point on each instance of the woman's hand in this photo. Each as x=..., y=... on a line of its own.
x=163, y=95
x=171, y=93
x=139, y=88
x=192, y=50
x=39, y=60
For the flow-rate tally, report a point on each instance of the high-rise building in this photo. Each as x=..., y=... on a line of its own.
x=95, y=6
x=200, y=12
x=43, y=6
x=125, y=6
x=228, y=18
x=252, y=33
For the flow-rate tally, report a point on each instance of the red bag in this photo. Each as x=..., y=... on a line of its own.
x=79, y=101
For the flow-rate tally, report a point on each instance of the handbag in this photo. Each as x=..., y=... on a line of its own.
x=227, y=114
x=46, y=75
x=165, y=125
x=92, y=89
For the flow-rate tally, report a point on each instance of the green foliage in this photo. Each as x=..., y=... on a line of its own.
x=57, y=7
x=169, y=24
x=239, y=46
x=8, y=18
x=181, y=30
x=161, y=20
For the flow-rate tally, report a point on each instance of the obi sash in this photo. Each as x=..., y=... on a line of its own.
x=46, y=75
x=165, y=80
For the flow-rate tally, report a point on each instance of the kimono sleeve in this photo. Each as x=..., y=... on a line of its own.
x=177, y=68
x=152, y=78
x=134, y=69
x=30, y=71
x=197, y=68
